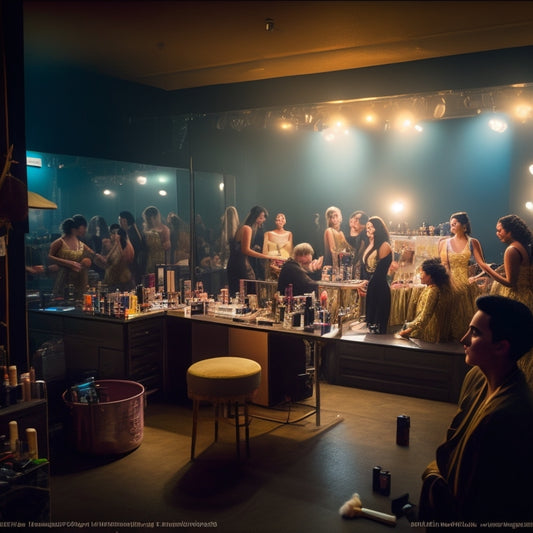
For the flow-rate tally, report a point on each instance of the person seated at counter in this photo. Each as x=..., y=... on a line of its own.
x=297, y=269
x=433, y=305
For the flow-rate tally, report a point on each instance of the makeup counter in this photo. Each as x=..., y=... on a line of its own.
x=297, y=343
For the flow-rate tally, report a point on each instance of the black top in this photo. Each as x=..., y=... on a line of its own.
x=292, y=272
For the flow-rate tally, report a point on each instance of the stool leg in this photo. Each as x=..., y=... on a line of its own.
x=246, y=428
x=216, y=420
x=237, y=430
x=194, y=426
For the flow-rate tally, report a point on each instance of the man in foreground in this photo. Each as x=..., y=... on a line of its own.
x=483, y=472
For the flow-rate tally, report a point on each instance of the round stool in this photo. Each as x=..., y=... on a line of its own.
x=219, y=380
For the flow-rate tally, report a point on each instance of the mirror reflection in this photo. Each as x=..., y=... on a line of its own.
x=413, y=171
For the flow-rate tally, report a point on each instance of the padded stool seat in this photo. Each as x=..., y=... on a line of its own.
x=219, y=380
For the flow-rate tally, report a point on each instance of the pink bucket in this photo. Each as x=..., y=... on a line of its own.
x=115, y=424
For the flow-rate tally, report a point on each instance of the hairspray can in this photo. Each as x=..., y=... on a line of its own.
x=384, y=482
x=376, y=471
x=403, y=423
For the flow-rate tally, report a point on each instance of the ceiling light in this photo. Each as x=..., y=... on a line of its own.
x=440, y=108
x=498, y=125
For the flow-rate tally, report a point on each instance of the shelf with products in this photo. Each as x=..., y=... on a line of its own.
x=25, y=473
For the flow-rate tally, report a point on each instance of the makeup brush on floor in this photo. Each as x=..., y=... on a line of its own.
x=353, y=508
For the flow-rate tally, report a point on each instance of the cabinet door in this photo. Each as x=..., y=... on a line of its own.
x=94, y=346
x=253, y=345
x=145, y=352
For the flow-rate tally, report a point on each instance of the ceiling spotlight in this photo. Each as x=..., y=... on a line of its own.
x=440, y=108
x=269, y=24
x=498, y=125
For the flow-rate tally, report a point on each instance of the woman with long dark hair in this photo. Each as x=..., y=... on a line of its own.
x=241, y=249
x=516, y=283
x=432, y=307
x=456, y=254
x=118, y=260
x=377, y=259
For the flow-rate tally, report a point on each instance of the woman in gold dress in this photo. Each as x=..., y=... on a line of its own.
x=73, y=258
x=456, y=254
x=433, y=305
x=156, y=238
x=334, y=239
x=118, y=260
x=517, y=281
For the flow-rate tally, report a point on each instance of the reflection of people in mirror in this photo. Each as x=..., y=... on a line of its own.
x=179, y=239
x=73, y=258
x=118, y=260
x=156, y=238
x=230, y=224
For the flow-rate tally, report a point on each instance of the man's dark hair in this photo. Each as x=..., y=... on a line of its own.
x=510, y=320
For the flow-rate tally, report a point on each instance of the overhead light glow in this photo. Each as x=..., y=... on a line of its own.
x=529, y=205
x=531, y=169
x=141, y=180
x=162, y=192
x=107, y=192
x=522, y=112
x=397, y=207
x=498, y=125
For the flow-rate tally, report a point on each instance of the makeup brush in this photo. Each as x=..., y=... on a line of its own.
x=353, y=508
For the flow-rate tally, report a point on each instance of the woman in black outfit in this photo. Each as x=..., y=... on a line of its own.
x=377, y=259
x=241, y=249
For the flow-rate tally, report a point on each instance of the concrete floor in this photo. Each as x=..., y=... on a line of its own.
x=295, y=480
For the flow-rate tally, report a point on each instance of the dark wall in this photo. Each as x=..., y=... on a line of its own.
x=79, y=113
x=459, y=169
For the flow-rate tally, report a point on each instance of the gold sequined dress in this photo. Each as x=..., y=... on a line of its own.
x=66, y=276
x=431, y=313
x=523, y=292
x=155, y=250
x=464, y=292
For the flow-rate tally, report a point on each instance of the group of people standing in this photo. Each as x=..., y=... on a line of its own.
x=120, y=254
x=441, y=312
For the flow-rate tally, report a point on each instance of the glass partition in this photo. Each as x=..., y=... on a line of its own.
x=412, y=160
x=100, y=190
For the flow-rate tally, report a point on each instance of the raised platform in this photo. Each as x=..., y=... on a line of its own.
x=389, y=363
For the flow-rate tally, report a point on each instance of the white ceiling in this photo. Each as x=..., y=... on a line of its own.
x=183, y=44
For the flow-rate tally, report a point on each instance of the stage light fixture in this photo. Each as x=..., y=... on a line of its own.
x=498, y=125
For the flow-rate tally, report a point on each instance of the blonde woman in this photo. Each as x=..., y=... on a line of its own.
x=334, y=239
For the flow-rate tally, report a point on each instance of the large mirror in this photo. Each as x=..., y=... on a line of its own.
x=413, y=160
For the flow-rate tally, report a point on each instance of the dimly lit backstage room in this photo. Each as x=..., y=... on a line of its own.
x=253, y=258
